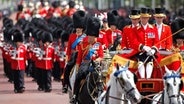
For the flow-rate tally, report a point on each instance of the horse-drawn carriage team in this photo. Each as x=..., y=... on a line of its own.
x=58, y=46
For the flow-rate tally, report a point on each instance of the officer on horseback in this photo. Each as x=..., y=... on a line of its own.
x=89, y=50
x=74, y=41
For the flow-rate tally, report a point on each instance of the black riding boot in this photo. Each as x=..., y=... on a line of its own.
x=76, y=90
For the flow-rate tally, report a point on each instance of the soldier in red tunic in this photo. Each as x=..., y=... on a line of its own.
x=47, y=61
x=74, y=41
x=143, y=40
x=89, y=50
x=71, y=9
x=20, y=13
x=57, y=12
x=113, y=33
x=18, y=64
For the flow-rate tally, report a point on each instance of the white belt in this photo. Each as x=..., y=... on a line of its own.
x=47, y=58
x=19, y=58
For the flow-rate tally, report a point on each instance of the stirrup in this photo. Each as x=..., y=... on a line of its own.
x=73, y=99
x=65, y=90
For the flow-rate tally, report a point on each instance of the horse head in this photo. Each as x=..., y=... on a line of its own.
x=173, y=85
x=127, y=82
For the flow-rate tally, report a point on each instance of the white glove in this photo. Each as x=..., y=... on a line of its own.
x=151, y=52
x=146, y=48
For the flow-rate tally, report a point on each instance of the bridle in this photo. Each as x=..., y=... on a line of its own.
x=98, y=82
x=127, y=92
x=167, y=90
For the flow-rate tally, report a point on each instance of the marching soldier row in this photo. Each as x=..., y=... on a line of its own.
x=44, y=10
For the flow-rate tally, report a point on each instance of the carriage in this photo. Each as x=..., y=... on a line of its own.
x=148, y=87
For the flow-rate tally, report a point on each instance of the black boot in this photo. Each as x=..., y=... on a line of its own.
x=65, y=89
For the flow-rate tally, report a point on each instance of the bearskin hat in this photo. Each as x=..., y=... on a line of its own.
x=93, y=26
x=112, y=17
x=56, y=4
x=176, y=25
x=57, y=33
x=71, y=4
x=18, y=37
x=65, y=36
x=47, y=37
x=79, y=19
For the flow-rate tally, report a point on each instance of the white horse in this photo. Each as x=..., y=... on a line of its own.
x=172, y=89
x=122, y=88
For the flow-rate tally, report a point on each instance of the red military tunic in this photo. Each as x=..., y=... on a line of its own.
x=60, y=54
x=57, y=12
x=165, y=37
x=72, y=39
x=18, y=62
x=42, y=12
x=126, y=41
x=148, y=37
x=111, y=35
x=38, y=62
x=84, y=48
x=70, y=12
x=48, y=58
x=102, y=39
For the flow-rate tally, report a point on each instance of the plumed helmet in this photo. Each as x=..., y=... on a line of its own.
x=112, y=17
x=79, y=19
x=93, y=26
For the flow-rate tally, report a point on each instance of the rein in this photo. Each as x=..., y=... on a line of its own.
x=93, y=91
x=150, y=95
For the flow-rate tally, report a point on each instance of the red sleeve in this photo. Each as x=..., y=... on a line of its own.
x=123, y=42
x=105, y=42
x=133, y=39
x=169, y=40
x=100, y=52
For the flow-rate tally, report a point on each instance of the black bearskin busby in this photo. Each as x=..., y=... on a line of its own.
x=79, y=19
x=93, y=26
x=64, y=36
x=176, y=25
x=71, y=4
x=47, y=37
x=18, y=37
x=112, y=17
x=56, y=4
